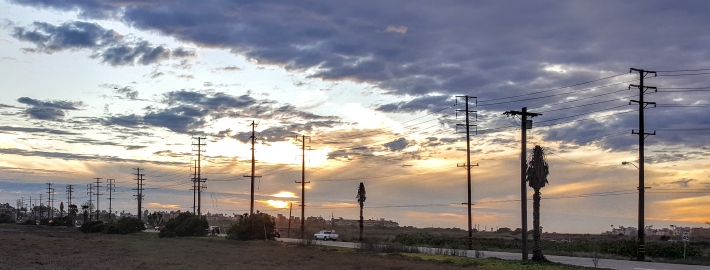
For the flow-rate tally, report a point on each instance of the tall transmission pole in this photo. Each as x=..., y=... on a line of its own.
x=200, y=180
x=468, y=164
x=90, y=192
x=50, y=201
x=70, y=189
x=525, y=125
x=642, y=136
x=303, y=184
x=110, y=187
x=253, y=165
x=194, y=189
x=139, y=190
x=97, y=192
x=41, y=211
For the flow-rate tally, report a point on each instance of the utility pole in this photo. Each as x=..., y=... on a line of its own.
x=199, y=145
x=642, y=136
x=139, y=190
x=50, y=201
x=253, y=165
x=97, y=193
x=290, y=207
x=70, y=189
x=110, y=185
x=303, y=184
x=468, y=164
x=194, y=189
x=525, y=125
x=90, y=192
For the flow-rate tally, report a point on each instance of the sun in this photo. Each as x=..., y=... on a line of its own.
x=278, y=204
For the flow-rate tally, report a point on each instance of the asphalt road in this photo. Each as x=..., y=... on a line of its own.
x=603, y=263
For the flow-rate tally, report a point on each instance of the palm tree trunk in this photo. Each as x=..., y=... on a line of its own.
x=537, y=252
x=361, y=221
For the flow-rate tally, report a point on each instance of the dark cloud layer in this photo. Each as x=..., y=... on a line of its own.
x=190, y=111
x=427, y=52
x=108, y=45
x=48, y=110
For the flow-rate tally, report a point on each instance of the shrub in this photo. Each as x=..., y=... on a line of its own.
x=5, y=218
x=92, y=227
x=125, y=226
x=251, y=227
x=186, y=224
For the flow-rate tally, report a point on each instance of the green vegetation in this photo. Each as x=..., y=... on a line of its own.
x=125, y=225
x=536, y=176
x=5, y=218
x=252, y=227
x=186, y=224
x=92, y=227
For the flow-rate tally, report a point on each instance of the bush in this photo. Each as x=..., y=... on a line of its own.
x=186, y=224
x=251, y=227
x=125, y=226
x=5, y=218
x=92, y=227
x=62, y=221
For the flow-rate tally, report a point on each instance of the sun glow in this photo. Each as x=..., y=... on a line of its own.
x=277, y=204
x=285, y=194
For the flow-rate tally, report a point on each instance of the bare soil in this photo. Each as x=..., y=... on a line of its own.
x=40, y=247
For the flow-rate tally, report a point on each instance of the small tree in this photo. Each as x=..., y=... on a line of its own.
x=252, y=227
x=361, y=197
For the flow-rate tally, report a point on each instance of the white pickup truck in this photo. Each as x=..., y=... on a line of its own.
x=326, y=235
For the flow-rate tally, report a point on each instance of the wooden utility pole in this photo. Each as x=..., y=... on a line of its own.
x=642, y=136
x=194, y=189
x=50, y=201
x=303, y=184
x=110, y=184
x=253, y=166
x=98, y=192
x=139, y=190
x=468, y=164
x=199, y=145
x=525, y=125
x=90, y=192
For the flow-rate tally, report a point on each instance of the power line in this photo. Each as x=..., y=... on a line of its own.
x=564, y=87
x=684, y=70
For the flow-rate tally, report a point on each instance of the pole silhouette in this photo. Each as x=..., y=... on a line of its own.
x=642, y=136
x=303, y=184
x=468, y=164
x=525, y=125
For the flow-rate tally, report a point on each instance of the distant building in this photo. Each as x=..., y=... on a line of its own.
x=623, y=231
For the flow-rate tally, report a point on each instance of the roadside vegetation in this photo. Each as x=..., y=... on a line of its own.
x=185, y=224
x=258, y=226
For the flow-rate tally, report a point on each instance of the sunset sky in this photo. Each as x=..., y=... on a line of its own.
x=95, y=88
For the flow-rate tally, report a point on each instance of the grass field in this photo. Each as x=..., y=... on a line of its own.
x=40, y=247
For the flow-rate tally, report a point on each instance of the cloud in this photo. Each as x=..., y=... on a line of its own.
x=80, y=157
x=128, y=92
x=429, y=52
x=107, y=45
x=396, y=29
x=48, y=110
x=35, y=130
x=397, y=145
x=683, y=182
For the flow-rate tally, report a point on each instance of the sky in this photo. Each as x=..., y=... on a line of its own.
x=97, y=88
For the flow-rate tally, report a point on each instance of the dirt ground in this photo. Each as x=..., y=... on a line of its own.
x=40, y=247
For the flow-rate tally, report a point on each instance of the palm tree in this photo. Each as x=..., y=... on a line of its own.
x=536, y=175
x=361, y=199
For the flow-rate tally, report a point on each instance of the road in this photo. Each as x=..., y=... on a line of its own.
x=603, y=263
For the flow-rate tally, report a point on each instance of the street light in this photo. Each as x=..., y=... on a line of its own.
x=629, y=163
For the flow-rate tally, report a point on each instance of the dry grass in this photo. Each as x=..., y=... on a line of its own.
x=35, y=247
